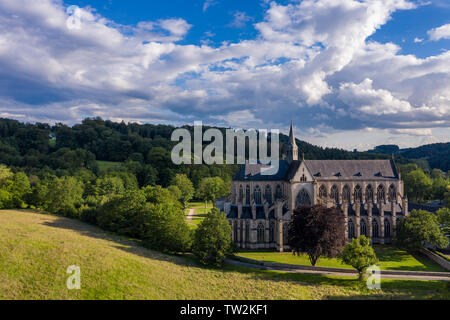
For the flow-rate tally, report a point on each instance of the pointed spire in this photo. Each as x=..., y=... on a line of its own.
x=291, y=134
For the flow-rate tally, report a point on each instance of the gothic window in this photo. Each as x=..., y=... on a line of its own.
x=278, y=193
x=351, y=229
x=375, y=232
x=303, y=199
x=335, y=194
x=322, y=192
x=303, y=178
x=369, y=193
x=247, y=195
x=268, y=194
x=257, y=195
x=387, y=228
x=260, y=233
x=241, y=231
x=285, y=234
x=272, y=231
x=241, y=194
x=235, y=231
x=381, y=193
x=392, y=193
x=346, y=193
x=358, y=193
x=247, y=231
x=363, y=228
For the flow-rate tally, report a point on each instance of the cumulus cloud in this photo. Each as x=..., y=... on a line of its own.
x=311, y=61
x=443, y=32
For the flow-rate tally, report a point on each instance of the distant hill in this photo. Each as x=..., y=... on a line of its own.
x=437, y=154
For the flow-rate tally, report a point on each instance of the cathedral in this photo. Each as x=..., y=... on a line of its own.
x=369, y=193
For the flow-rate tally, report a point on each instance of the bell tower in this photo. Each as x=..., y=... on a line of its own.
x=292, y=149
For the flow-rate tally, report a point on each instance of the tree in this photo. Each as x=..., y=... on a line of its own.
x=317, y=231
x=420, y=228
x=185, y=186
x=439, y=188
x=443, y=216
x=212, y=240
x=212, y=188
x=163, y=218
x=359, y=254
x=417, y=185
x=63, y=196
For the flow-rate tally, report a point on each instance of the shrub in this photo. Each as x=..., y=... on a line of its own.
x=212, y=240
x=359, y=254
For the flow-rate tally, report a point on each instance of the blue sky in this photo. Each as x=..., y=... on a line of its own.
x=350, y=73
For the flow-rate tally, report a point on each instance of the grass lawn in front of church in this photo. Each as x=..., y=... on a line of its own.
x=390, y=258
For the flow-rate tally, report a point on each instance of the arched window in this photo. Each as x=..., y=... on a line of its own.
x=351, y=229
x=241, y=193
x=375, y=232
x=346, y=194
x=303, y=178
x=285, y=234
x=272, y=231
x=268, y=194
x=358, y=193
x=303, y=199
x=322, y=192
x=369, y=193
x=334, y=194
x=247, y=231
x=241, y=231
x=235, y=231
x=387, y=228
x=260, y=233
x=278, y=193
x=392, y=193
x=381, y=193
x=257, y=195
x=363, y=228
x=247, y=195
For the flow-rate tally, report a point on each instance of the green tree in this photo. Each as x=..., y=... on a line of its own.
x=212, y=188
x=359, y=254
x=439, y=188
x=420, y=228
x=417, y=185
x=212, y=239
x=443, y=216
x=108, y=187
x=165, y=227
x=185, y=186
x=64, y=195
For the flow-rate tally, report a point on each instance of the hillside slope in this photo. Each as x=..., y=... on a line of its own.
x=36, y=249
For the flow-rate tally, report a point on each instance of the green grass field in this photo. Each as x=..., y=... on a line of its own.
x=106, y=165
x=36, y=249
x=200, y=212
x=390, y=258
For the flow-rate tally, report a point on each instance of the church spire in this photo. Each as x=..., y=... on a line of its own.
x=292, y=149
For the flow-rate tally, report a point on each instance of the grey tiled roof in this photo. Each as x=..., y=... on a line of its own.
x=324, y=170
x=352, y=169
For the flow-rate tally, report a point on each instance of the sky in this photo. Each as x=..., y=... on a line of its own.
x=350, y=74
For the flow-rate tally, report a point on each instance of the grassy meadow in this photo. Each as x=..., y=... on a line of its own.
x=390, y=258
x=36, y=249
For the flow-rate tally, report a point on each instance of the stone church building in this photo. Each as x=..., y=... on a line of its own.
x=369, y=193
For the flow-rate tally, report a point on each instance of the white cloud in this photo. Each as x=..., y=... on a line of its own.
x=240, y=19
x=418, y=40
x=443, y=32
x=311, y=61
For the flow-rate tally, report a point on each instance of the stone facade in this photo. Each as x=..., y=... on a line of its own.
x=369, y=193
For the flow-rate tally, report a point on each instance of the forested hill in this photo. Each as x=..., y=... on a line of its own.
x=436, y=155
x=144, y=147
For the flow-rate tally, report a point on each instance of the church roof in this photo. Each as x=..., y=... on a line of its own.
x=352, y=169
x=323, y=170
